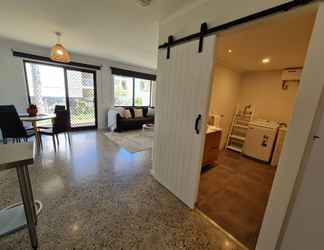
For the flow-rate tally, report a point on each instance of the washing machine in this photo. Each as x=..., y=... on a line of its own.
x=260, y=139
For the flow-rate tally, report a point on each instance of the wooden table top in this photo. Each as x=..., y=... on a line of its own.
x=16, y=154
x=37, y=118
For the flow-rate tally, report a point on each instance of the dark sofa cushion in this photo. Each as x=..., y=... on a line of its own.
x=145, y=110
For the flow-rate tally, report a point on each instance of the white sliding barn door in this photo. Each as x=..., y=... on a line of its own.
x=183, y=87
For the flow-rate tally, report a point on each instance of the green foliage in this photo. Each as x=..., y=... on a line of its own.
x=138, y=101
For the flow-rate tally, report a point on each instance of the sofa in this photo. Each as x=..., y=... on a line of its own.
x=124, y=124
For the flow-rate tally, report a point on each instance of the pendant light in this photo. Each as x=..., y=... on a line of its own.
x=58, y=52
x=144, y=3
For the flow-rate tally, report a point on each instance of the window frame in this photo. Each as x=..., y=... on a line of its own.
x=133, y=86
x=113, y=76
x=65, y=68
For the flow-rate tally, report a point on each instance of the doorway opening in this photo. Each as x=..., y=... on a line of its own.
x=49, y=85
x=255, y=82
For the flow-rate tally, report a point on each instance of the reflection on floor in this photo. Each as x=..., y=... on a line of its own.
x=97, y=195
x=234, y=194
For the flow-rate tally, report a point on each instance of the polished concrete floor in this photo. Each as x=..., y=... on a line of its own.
x=235, y=193
x=99, y=196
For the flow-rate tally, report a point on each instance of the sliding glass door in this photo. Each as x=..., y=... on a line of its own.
x=46, y=86
x=82, y=103
x=49, y=85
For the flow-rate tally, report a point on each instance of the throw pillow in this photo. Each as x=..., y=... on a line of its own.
x=138, y=113
x=150, y=112
x=122, y=113
x=127, y=114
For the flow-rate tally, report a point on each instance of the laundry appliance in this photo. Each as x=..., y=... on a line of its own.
x=260, y=139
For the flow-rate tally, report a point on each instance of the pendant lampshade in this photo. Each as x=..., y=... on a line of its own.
x=58, y=52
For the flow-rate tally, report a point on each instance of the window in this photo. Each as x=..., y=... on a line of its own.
x=132, y=91
x=123, y=91
x=50, y=85
x=46, y=86
x=142, y=92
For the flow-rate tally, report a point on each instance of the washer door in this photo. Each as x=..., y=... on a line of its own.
x=259, y=143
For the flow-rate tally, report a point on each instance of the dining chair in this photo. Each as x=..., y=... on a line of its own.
x=11, y=125
x=59, y=108
x=61, y=124
x=56, y=108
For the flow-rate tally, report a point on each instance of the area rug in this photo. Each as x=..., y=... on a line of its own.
x=132, y=141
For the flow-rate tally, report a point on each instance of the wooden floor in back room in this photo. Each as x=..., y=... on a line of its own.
x=235, y=193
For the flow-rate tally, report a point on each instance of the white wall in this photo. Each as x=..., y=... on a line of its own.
x=224, y=97
x=13, y=84
x=259, y=88
x=263, y=90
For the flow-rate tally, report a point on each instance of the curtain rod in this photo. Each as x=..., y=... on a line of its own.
x=249, y=18
x=47, y=59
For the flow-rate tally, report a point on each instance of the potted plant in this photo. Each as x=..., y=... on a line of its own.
x=32, y=110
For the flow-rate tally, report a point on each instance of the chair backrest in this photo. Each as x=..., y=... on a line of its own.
x=10, y=123
x=7, y=108
x=61, y=122
x=59, y=108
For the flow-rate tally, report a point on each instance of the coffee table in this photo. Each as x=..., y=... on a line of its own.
x=148, y=126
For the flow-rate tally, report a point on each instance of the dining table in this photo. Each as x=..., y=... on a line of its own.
x=34, y=119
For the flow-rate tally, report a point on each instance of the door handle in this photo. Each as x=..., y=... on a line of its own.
x=315, y=137
x=197, y=124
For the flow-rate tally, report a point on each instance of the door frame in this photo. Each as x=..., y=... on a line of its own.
x=299, y=140
x=65, y=68
x=305, y=170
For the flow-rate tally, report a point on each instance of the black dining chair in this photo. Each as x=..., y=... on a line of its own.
x=11, y=125
x=59, y=108
x=56, y=108
x=61, y=125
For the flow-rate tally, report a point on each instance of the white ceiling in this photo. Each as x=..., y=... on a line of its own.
x=113, y=29
x=283, y=38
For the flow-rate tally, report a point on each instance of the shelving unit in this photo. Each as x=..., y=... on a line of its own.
x=240, y=126
x=234, y=148
x=238, y=137
x=237, y=134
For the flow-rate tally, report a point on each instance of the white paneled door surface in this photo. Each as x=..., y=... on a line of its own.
x=183, y=87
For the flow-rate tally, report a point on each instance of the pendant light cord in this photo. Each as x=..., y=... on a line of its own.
x=58, y=36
